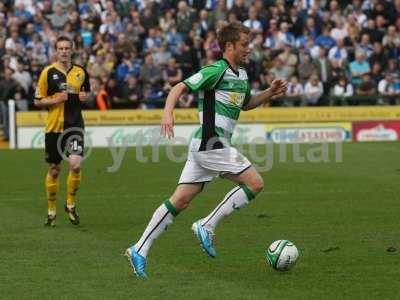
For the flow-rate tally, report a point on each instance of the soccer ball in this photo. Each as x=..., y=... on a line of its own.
x=282, y=255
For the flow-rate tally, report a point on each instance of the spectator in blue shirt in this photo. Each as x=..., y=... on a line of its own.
x=174, y=39
x=21, y=12
x=325, y=40
x=86, y=34
x=358, y=68
x=127, y=66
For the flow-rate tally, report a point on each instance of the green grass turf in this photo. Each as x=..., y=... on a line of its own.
x=342, y=217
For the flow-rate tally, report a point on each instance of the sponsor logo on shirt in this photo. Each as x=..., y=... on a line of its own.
x=237, y=98
x=196, y=78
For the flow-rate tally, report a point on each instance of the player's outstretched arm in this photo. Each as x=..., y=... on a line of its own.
x=278, y=88
x=167, y=122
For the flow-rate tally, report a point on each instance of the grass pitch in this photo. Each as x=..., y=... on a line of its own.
x=343, y=217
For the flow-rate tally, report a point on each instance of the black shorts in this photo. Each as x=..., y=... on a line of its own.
x=60, y=145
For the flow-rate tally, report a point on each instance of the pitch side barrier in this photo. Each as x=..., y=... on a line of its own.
x=275, y=124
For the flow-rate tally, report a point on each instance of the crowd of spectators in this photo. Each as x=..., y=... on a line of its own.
x=136, y=50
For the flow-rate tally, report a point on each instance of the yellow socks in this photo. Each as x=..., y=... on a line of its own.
x=52, y=187
x=73, y=181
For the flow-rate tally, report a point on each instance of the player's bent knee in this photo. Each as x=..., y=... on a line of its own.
x=75, y=163
x=75, y=167
x=184, y=194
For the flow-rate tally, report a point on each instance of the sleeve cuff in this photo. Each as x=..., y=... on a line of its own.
x=188, y=86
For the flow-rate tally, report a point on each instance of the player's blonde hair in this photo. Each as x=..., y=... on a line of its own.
x=63, y=38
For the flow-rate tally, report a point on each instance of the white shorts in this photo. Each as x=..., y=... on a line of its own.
x=204, y=166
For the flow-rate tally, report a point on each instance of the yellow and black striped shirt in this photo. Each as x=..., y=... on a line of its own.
x=54, y=80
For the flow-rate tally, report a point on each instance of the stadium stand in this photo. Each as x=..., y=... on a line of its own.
x=135, y=50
